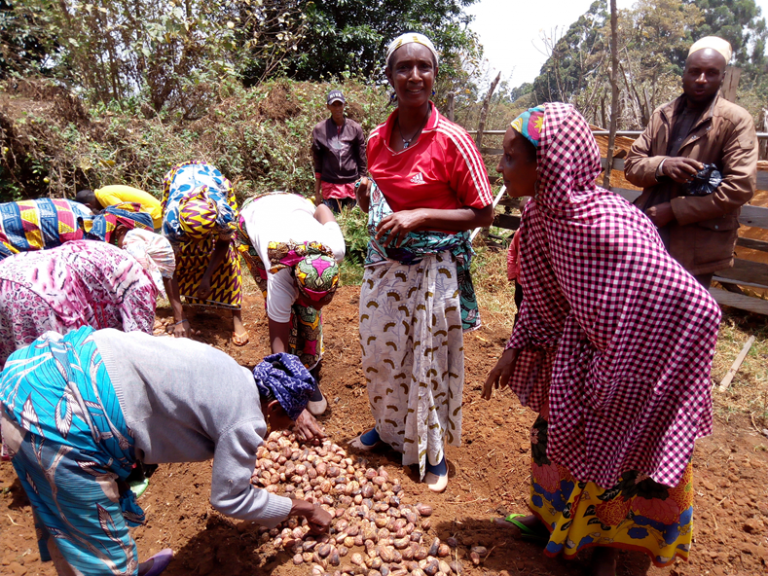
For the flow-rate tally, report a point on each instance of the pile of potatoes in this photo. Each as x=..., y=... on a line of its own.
x=373, y=532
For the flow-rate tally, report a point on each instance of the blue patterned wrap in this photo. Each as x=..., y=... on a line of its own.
x=184, y=180
x=74, y=445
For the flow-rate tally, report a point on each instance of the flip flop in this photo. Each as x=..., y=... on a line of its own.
x=139, y=487
x=525, y=531
x=160, y=562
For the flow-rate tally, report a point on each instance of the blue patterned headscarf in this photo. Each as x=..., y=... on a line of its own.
x=103, y=225
x=285, y=377
x=530, y=123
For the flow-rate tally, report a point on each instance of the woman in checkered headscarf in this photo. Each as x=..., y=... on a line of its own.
x=613, y=349
x=200, y=220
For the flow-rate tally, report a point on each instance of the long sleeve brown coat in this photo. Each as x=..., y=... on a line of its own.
x=703, y=234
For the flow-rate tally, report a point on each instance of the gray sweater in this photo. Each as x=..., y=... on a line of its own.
x=188, y=402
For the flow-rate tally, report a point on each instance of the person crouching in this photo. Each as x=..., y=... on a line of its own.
x=79, y=410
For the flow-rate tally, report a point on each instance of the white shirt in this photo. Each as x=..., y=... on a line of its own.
x=287, y=218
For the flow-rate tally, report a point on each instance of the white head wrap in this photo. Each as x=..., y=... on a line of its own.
x=153, y=252
x=717, y=44
x=410, y=38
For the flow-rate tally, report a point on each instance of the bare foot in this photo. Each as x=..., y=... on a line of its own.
x=240, y=339
x=604, y=561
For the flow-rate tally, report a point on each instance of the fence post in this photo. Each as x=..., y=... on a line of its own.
x=484, y=111
x=614, y=94
x=481, y=127
x=731, y=83
x=451, y=105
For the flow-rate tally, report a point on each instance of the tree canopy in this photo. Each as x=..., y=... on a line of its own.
x=654, y=37
x=175, y=54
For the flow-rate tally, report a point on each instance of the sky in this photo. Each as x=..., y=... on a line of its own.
x=510, y=31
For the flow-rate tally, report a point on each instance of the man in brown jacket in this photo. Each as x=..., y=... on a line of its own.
x=700, y=127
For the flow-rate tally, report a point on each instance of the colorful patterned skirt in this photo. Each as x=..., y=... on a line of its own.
x=636, y=514
x=306, y=336
x=69, y=445
x=192, y=259
x=413, y=355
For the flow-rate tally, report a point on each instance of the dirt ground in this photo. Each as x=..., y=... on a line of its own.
x=488, y=477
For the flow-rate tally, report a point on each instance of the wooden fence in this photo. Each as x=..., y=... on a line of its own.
x=745, y=273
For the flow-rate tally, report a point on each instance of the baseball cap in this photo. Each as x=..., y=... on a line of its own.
x=335, y=95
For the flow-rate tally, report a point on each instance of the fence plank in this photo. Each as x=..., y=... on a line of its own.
x=740, y=301
x=762, y=180
x=746, y=271
x=752, y=244
x=507, y=221
x=492, y=151
x=755, y=216
x=618, y=163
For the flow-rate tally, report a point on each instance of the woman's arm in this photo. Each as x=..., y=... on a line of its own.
x=181, y=328
x=323, y=214
x=279, y=333
x=362, y=193
x=399, y=224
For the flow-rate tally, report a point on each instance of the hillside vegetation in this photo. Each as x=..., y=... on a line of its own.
x=54, y=144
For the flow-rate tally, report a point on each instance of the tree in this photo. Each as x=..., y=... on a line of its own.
x=654, y=38
x=739, y=22
x=26, y=42
x=573, y=57
x=350, y=36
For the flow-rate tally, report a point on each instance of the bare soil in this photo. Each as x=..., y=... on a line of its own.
x=489, y=476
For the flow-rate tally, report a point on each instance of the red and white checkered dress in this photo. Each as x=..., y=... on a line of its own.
x=612, y=330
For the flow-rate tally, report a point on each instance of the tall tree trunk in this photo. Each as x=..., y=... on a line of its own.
x=614, y=93
x=484, y=110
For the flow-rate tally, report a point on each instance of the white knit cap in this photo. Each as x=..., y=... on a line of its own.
x=410, y=38
x=715, y=43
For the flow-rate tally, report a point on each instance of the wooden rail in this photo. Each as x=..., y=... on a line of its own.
x=743, y=273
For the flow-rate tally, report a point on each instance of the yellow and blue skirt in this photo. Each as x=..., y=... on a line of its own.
x=637, y=514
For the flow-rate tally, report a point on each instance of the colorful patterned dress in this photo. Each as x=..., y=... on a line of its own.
x=69, y=443
x=46, y=223
x=194, y=250
x=39, y=224
x=615, y=344
x=300, y=252
x=81, y=283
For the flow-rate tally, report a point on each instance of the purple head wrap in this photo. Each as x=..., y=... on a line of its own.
x=285, y=377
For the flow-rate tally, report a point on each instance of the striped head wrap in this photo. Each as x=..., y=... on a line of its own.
x=197, y=214
x=102, y=226
x=411, y=38
x=530, y=124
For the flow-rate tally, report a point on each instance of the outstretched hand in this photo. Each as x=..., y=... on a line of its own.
x=319, y=520
x=182, y=329
x=501, y=373
x=204, y=290
x=308, y=428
